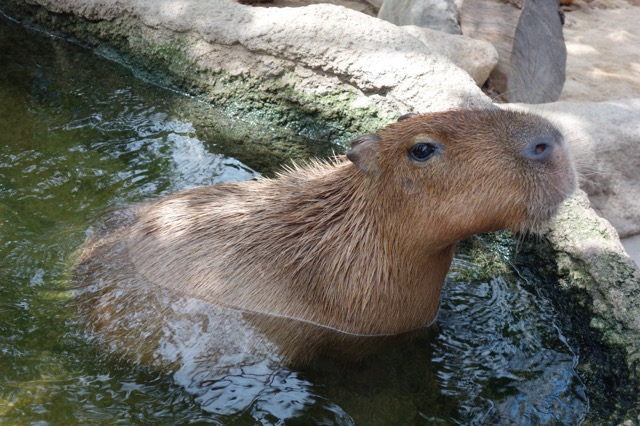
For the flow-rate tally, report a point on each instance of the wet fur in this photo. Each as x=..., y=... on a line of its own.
x=361, y=249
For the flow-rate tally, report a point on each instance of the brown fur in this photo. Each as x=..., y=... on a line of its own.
x=361, y=249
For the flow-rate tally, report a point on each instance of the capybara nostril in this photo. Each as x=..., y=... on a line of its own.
x=539, y=148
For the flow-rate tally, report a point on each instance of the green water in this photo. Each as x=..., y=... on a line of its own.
x=80, y=135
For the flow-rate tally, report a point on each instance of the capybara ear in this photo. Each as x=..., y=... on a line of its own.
x=407, y=115
x=365, y=153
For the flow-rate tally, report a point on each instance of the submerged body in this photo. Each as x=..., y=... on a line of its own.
x=328, y=254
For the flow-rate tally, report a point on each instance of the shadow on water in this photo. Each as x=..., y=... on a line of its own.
x=80, y=135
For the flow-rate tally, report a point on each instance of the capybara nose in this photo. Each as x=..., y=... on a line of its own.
x=539, y=148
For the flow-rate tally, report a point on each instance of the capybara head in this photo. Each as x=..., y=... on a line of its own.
x=353, y=249
x=467, y=171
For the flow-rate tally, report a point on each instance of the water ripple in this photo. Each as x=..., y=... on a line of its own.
x=500, y=351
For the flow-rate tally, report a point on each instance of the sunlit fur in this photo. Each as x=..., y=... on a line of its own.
x=360, y=252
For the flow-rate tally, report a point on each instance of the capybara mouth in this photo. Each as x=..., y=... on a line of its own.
x=537, y=219
x=547, y=197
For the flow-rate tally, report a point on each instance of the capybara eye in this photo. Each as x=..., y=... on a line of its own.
x=422, y=151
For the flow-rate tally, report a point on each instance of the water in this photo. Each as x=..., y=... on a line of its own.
x=80, y=135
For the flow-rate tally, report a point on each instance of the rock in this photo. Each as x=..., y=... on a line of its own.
x=476, y=57
x=528, y=37
x=441, y=15
x=598, y=287
x=586, y=237
x=605, y=140
x=323, y=58
x=632, y=246
x=375, y=3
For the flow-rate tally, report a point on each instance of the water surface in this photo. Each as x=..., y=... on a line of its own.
x=80, y=135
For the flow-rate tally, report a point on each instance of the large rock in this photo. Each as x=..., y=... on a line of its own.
x=477, y=57
x=528, y=37
x=597, y=287
x=605, y=140
x=614, y=285
x=441, y=15
x=324, y=58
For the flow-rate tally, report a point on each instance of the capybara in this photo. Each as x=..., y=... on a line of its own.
x=351, y=249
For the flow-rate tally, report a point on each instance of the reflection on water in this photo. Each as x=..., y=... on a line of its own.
x=523, y=371
x=78, y=136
